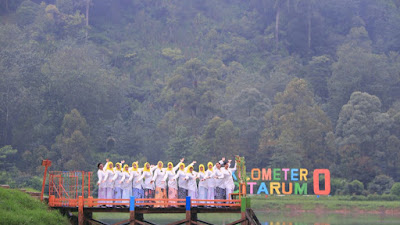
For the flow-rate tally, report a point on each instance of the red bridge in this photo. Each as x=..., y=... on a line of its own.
x=70, y=191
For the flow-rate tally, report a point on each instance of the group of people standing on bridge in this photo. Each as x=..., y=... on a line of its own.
x=173, y=182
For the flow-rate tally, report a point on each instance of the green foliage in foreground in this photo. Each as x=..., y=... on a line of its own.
x=395, y=189
x=19, y=208
x=326, y=202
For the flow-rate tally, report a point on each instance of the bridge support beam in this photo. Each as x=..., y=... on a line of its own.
x=188, y=211
x=81, y=215
x=243, y=210
x=132, y=211
x=87, y=216
x=134, y=217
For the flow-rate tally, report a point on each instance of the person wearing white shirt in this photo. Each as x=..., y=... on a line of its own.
x=117, y=185
x=161, y=188
x=136, y=182
x=108, y=181
x=203, y=183
x=182, y=183
x=219, y=182
x=191, y=177
x=172, y=184
x=101, y=175
x=228, y=179
x=210, y=182
x=148, y=185
x=125, y=186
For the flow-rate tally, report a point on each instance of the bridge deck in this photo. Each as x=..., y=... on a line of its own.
x=137, y=208
x=147, y=210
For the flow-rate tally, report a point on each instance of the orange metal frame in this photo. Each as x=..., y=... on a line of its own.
x=94, y=202
x=46, y=163
x=67, y=186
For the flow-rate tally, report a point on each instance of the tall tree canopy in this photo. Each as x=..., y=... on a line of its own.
x=83, y=80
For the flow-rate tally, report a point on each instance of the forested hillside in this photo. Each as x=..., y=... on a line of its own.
x=285, y=83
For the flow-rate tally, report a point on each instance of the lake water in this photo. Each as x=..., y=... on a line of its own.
x=269, y=219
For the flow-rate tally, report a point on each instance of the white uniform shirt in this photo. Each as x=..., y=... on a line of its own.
x=101, y=175
x=218, y=175
x=182, y=175
x=170, y=175
x=148, y=175
x=210, y=178
x=109, y=183
x=191, y=181
x=135, y=179
x=117, y=177
x=228, y=179
x=181, y=182
x=124, y=184
x=158, y=177
x=203, y=182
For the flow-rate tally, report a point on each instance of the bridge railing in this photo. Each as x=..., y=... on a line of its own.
x=140, y=202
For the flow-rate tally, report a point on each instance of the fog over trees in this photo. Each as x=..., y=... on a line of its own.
x=285, y=83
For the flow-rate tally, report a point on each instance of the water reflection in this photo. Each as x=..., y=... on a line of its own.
x=293, y=223
x=269, y=218
x=326, y=219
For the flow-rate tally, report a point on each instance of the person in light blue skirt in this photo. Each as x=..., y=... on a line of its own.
x=203, y=186
x=134, y=179
x=126, y=186
x=117, y=184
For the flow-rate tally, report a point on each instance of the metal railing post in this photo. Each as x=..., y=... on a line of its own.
x=81, y=216
x=132, y=210
x=188, y=213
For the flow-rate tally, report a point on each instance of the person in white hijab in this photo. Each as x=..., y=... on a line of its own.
x=182, y=182
x=108, y=182
x=136, y=181
x=172, y=184
x=191, y=177
x=148, y=185
x=117, y=182
x=126, y=186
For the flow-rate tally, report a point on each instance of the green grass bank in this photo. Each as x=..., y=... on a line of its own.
x=19, y=208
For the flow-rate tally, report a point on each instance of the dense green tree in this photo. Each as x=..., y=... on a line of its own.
x=72, y=144
x=247, y=111
x=5, y=153
x=362, y=133
x=355, y=187
x=226, y=141
x=33, y=159
x=79, y=79
x=317, y=73
x=358, y=69
x=395, y=190
x=296, y=123
x=20, y=87
x=65, y=6
x=181, y=145
x=220, y=139
x=27, y=12
x=381, y=184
